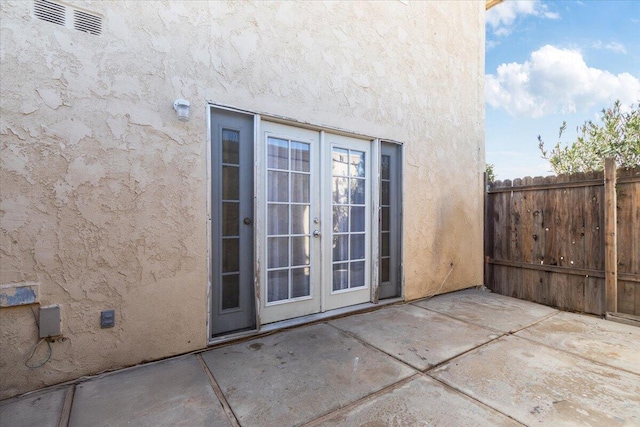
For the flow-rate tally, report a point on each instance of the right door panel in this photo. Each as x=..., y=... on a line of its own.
x=347, y=221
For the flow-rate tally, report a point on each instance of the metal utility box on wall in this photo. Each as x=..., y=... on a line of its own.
x=50, y=321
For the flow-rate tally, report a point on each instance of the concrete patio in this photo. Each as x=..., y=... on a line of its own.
x=465, y=358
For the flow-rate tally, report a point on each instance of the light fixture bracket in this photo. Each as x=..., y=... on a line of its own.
x=182, y=109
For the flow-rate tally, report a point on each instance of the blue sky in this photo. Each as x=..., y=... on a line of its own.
x=549, y=61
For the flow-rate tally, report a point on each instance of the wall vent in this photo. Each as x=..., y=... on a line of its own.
x=50, y=12
x=86, y=22
x=67, y=16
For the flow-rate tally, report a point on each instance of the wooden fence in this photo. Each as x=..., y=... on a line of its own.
x=571, y=242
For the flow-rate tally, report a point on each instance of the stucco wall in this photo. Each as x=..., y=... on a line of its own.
x=103, y=191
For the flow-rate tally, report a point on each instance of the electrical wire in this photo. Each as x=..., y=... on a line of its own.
x=35, y=347
x=33, y=352
x=441, y=284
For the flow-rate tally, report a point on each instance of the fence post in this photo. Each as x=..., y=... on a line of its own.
x=610, y=236
x=487, y=235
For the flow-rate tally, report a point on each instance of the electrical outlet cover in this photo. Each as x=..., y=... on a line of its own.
x=107, y=319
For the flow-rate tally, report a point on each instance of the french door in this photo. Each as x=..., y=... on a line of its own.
x=316, y=189
x=347, y=225
x=299, y=215
x=291, y=236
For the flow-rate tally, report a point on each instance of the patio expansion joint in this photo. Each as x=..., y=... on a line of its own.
x=419, y=373
x=344, y=409
x=427, y=372
x=231, y=416
x=442, y=313
x=542, y=319
x=489, y=328
x=373, y=347
x=479, y=402
x=484, y=344
x=578, y=355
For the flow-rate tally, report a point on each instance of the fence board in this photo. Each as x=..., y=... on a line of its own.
x=529, y=284
x=626, y=297
x=628, y=230
x=594, y=228
x=628, y=209
x=546, y=240
x=610, y=237
x=538, y=227
x=593, y=295
x=576, y=226
x=515, y=223
x=526, y=223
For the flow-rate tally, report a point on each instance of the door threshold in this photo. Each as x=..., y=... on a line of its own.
x=303, y=320
x=232, y=336
x=338, y=312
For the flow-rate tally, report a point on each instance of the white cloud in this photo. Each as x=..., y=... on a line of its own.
x=490, y=44
x=556, y=80
x=612, y=46
x=500, y=19
x=616, y=47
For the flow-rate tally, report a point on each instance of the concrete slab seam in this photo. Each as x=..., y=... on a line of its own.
x=548, y=316
x=484, y=344
x=488, y=328
x=65, y=414
x=449, y=386
x=484, y=396
x=231, y=416
x=373, y=347
x=578, y=355
x=426, y=372
x=350, y=406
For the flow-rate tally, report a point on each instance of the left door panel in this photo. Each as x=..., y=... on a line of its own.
x=232, y=230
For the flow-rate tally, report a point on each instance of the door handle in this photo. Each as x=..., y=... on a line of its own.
x=247, y=221
x=316, y=233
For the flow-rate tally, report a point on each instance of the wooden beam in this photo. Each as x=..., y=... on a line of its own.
x=555, y=186
x=545, y=267
x=491, y=3
x=610, y=236
x=587, y=272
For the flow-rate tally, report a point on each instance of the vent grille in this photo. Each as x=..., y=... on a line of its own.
x=50, y=12
x=67, y=16
x=83, y=21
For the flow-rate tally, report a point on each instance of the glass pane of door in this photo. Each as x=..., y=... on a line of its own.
x=348, y=206
x=230, y=219
x=288, y=219
x=347, y=220
x=390, y=221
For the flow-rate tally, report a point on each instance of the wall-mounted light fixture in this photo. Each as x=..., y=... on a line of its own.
x=182, y=109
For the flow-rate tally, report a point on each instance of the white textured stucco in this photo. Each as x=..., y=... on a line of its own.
x=103, y=191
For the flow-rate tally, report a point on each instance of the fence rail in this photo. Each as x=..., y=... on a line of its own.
x=568, y=241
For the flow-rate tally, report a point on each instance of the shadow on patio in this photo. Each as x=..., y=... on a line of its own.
x=465, y=358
